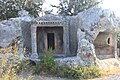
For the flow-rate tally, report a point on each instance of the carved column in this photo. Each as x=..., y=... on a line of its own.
x=34, y=42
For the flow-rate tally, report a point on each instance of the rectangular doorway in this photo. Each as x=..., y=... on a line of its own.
x=50, y=37
x=51, y=40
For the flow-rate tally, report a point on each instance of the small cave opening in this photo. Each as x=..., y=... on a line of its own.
x=108, y=41
x=83, y=30
x=103, y=46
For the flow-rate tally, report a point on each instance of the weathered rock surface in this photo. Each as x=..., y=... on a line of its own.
x=91, y=22
x=69, y=61
x=99, y=18
x=11, y=29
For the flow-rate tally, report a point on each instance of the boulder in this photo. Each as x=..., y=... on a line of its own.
x=102, y=19
x=11, y=29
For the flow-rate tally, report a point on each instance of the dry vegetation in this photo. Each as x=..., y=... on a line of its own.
x=14, y=68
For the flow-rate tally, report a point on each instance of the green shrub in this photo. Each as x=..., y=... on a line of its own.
x=47, y=66
x=23, y=66
x=48, y=61
x=85, y=72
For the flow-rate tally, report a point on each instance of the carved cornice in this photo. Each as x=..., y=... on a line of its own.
x=49, y=23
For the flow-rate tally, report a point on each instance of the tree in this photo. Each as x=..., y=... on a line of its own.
x=73, y=7
x=10, y=8
x=32, y=6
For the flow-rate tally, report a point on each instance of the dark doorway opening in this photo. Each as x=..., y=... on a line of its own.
x=51, y=40
x=50, y=37
x=108, y=40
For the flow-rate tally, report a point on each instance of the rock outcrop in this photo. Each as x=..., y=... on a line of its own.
x=11, y=29
x=97, y=18
x=91, y=22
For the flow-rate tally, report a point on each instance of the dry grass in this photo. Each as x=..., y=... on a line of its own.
x=113, y=71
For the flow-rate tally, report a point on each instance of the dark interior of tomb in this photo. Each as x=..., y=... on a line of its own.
x=50, y=37
x=104, y=45
x=51, y=40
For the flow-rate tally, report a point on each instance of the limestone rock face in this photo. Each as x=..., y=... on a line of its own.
x=86, y=49
x=90, y=23
x=99, y=18
x=11, y=29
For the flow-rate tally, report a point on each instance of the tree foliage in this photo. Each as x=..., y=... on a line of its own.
x=10, y=8
x=73, y=7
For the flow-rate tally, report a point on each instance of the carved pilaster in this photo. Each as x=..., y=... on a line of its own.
x=34, y=42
